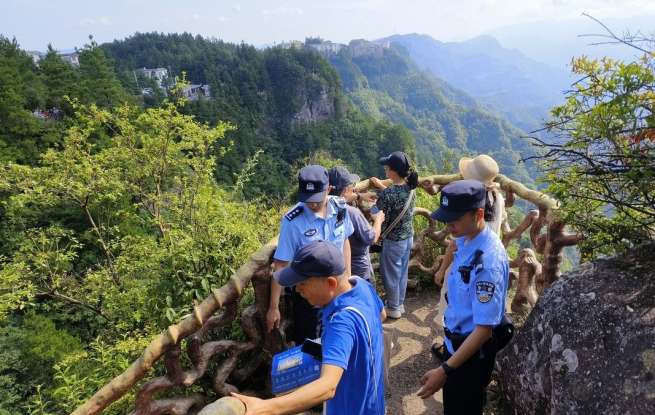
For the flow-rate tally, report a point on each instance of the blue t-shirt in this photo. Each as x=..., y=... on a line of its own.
x=481, y=301
x=301, y=226
x=345, y=343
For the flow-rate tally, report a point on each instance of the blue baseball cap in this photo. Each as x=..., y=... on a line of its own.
x=316, y=259
x=460, y=197
x=340, y=178
x=313, y=184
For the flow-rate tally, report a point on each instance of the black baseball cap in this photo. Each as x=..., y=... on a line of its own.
x=312, y=183
x=460, y=197
x=316, y=259
x=340, y=178
x=397, y=161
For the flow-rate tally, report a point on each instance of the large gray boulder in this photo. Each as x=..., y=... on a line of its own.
x=588, y=347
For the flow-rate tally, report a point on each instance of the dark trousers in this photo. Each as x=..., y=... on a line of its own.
x=305, y=319
x=465, y=391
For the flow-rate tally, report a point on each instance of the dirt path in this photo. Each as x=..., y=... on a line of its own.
x=413, y=335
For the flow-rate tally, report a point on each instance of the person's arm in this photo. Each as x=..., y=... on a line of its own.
x=273, y=314
x=434, y=379
x=378, y=183
x=445, y=263
x=378, y=219
x=286, y=247
x=487, y=303
x=299, y=400
x=346, y=256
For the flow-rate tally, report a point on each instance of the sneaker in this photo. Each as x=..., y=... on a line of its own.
x=402, y=309
x=395, y=314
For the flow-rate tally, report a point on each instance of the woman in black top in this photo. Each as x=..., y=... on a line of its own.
x=397, y=232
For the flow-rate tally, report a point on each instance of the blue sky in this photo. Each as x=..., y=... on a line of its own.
x=67, y=23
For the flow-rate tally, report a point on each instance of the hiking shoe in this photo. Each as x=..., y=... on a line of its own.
x=395, y=314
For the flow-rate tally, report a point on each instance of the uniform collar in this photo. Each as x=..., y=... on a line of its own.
x=331, y=210
x=473, y=244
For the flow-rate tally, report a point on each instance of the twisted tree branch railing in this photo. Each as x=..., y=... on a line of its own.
x=240, y=359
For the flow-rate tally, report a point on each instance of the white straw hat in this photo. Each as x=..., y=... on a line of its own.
x=482, y=168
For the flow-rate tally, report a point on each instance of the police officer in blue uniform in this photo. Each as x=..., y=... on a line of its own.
x=317, y=216
x=477, y=288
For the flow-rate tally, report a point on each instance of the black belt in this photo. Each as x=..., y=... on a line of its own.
x=455, y=338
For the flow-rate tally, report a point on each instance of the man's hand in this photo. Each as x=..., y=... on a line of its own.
x=272, y=318
x=378, y=217
x=432, y=382
x=254, y=406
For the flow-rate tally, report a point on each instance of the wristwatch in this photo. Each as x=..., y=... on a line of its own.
x=447, y=369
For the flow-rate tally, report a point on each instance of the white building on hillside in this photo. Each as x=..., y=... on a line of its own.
x=160, y=75
x=196, y=91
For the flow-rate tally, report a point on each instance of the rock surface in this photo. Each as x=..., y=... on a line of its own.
x=588, y=347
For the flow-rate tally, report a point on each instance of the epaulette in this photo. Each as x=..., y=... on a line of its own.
x=340, y=203
x=294, y=213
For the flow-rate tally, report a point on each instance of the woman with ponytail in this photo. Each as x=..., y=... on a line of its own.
x=397, y=202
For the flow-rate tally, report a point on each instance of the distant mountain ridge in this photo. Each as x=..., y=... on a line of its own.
x=504, y=80
x=383, y=81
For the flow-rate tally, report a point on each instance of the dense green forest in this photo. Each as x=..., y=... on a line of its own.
x=383, y=82
x=286, y=103
x=119, y=209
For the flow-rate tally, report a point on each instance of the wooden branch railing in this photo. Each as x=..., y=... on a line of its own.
x=240, y=359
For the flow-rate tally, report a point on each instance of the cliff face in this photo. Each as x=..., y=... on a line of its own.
x=589, y=343
x=315, y=107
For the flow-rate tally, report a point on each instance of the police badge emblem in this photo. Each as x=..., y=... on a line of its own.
x=484, y=290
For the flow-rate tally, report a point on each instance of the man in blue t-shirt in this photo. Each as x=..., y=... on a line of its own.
x=351, y=380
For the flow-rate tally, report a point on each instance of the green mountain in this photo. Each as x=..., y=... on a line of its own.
x=504, y=80
x=287, y=104
x=383, y=82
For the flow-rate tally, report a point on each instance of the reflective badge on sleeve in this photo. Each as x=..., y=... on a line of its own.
x=484, y=290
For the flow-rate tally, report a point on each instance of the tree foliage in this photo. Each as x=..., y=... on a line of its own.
x=601, y=164
x=108, y=240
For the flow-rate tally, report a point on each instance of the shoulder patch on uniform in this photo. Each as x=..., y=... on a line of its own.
x=484, y=290
x=339, y=201
x=293, y=213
